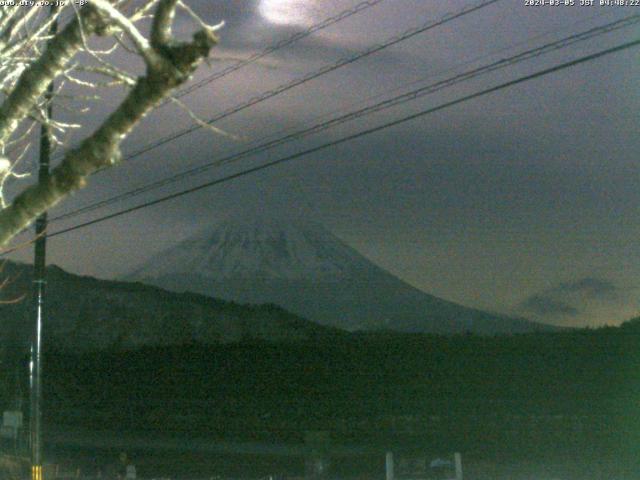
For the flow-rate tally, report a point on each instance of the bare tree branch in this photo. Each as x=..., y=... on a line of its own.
x=34, y=81
x=169, y=64
x=127, y=26
x=162, y=21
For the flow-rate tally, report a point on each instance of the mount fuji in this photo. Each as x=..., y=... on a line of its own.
x=304, y=268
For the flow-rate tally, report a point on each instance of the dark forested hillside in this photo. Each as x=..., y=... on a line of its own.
x=85, y=314
x=575, y=387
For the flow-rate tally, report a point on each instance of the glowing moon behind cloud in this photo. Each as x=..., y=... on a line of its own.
x=287, y=12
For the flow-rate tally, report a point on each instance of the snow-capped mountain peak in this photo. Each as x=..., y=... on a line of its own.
x=302, y=267
x=259, y=247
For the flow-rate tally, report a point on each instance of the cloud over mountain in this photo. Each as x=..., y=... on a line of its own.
x=585, y=298
x=544, y=305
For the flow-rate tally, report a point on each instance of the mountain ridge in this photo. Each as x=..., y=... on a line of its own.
x=306, y=269
x=86, y=313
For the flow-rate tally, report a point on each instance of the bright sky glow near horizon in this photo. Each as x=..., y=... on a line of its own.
x=523, y=201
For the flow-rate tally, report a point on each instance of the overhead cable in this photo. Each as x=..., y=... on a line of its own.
x=348, y=138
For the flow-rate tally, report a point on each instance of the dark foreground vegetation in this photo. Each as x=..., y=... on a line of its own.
x=362, y=386
x=571, y=394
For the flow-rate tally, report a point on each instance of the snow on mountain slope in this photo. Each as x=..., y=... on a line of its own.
x=304, y=268
x=259, y=248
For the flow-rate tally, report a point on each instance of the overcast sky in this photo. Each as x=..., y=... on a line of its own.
x=522, y=201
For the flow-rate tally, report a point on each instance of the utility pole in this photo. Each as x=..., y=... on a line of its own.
x=39, y=284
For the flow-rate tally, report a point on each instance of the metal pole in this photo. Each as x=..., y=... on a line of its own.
x=39, y=284
x=458, y=462
x=390, y=475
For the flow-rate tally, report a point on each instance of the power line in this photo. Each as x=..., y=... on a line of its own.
x=363, y=133
x=360, y=7
x=313, y=75
x=385, y=104
x=279, y=45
